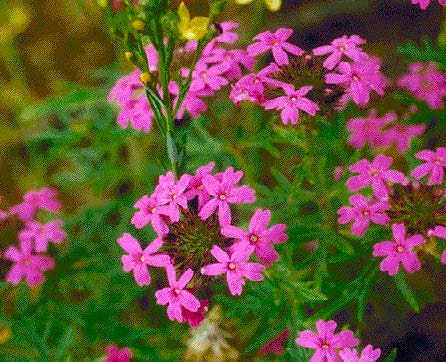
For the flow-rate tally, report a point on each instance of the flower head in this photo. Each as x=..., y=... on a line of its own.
x=191, y=29
x=40, y=234
x=368, y=354
x=114, y=354
x=44, y=199
x=435, y=162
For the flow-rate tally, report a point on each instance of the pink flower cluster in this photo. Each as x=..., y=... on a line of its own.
x=215, y=68
x=425, y=3
x=415, y=210
x=275, y=87
x=28, y=261
x=382, y=131
x=193, y=220
x=335, y=347
x=426, y=82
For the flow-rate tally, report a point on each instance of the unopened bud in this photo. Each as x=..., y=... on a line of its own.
x=145, y=77
x=128, y=56
x=138, y=25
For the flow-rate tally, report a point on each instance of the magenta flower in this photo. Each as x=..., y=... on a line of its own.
x=138, y=113
x=195, y=318
x=138, y=259
x=368, y=354
x=176, y=295
x=41, y=234
x=232, y=60
x=362, y=212
x=259, y=236
x=44, y=199
x=172, y=193
x=114, y=354
x=276, y=42
x=196, y=187
x=425, y=3
x=360, y=78
x=369, y=129
x=399, y=250
x=204, y=77
x=434, y=165
x=191, y=102
x=291, y=103
x=439, y=231
x=376, y=174
x=124, y=88
x=225, y=192
x=275, y=345
x=326, y=342
x=27, y=265
x=344, y=45
x=235, y=266
x=226, y=36
x=401, y=135
x=426, y=82
x=150, y=211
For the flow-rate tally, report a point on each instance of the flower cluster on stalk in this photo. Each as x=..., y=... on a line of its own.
x=198, y=241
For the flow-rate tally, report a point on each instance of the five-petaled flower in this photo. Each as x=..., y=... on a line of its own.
x=435, y=162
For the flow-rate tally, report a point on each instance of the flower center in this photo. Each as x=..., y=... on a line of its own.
x=438, y=160
x=325, y=346
x=153, y=210
x=173, y=195
x=200, y=187
x=176, y=291
x=26, y=262
x=342, y=48
x=142, y=259
x=373, y=172
x=356, y=77
x=365, y=212
x=293, y=99
x=223, y=196
x=400, y=248
x=232, y=266
x=203, y=75
x=253, y=238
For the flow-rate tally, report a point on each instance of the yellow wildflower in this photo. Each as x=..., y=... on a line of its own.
x=194, y=29
x=272, y=5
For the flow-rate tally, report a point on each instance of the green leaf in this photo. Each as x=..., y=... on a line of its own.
x=406, y=291
x=391, y=357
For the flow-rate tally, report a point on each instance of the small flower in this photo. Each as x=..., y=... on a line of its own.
x=114, y=354
x=276, y=42
x=376, y=174
x=231, y=60
x=137, y=113
x=291, y=103
x=195, y=318
x=401, y=135
x=362, y=212
x=235, y=266
x=192, y=102
x=191, y=29
x=399, y=250
x=204, y=77
x=26, y=265
x=275, y=345
x=440, y=231
x=225, y=192
x=196, y=187
x=368, y=354
x=326, y=342
x=138, y=259
x=271, y=5
x=344, y=45
x=176, y=295
x=425, y=3
x=41, y=234
x=44, y=199
x=435, y=164
x=259, y=236
x=150, y=211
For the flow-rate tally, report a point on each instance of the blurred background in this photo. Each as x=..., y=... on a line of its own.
x=48, y=46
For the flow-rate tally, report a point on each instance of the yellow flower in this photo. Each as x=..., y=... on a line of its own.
x=5, y=334
x=272, y=5
x=194, y=29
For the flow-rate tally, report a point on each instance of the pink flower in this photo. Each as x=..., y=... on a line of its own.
x=195, y=318
x=360, y=78
x=368, y=354
x=114, y=354
x=196, y=187
x=291, y=103
x=176, y=295
x=172, y=193
x=259, y=236
x=362, y=212
x=399, y=250
x=326, y=342
x=150, y=211
x=232, y=60
x=235, y=266
x=275, y=345
x=424, y=3
x=27, y=265
x=344, y=45
x=138, y=113
x=204, y=77
x=191, y=102
x=439, y=231
x=369, y=129
x=226, y=36
x=401, y=135
x=44, y=199
x=434, y=165
x=124, y=88
x=426, y=83
x=276, y=42
x=41, y=234
x=376, y=174
x=138, y=259
x=225, y=192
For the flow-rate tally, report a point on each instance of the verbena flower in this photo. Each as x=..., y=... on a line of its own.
x=326, y=342
x=425, y=3
x=440, y=231
x=138, y=259
x=362, y=212
x=27, y=265
x=115, y=354
x=40, y=234
x=401, y=135
x=368, y=354
x=259, y=235
x=399, y=250
x=43, y=199
x=276, y=42
x=435, y=162
x=374, y=173
x=345, y=45
x=235, y=265
x=275, y=345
